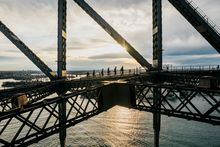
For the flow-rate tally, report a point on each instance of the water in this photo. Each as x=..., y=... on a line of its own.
x=123, y=127
x=6, y=80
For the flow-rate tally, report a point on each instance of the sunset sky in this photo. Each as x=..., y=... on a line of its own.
x=89, y=46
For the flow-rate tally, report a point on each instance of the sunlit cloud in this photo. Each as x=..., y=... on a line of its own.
x=89, y=46
x=111, y=56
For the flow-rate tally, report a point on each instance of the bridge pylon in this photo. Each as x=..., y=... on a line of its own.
x=157, y=64
x=61, y=65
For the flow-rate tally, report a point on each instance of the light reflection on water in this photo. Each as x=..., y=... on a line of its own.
x=122, y=127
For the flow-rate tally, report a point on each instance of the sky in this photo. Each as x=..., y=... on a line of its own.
x=90, y=47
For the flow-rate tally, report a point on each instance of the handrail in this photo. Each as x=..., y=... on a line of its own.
x=170, y=67
x=201, y=13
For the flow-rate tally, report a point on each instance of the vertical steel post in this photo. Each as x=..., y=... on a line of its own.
x=157, y=34
x=157, y=63
x=61, y=65
x=156, y=115
x=62, y=6
x=62, y=122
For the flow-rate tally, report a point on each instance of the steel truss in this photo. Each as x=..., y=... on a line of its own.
x=40, y=120
x=82, y=84
x=199, y=104
x=41, y=91
x=43, y=117
x=33, y=95
x=26, y=50
x=183, y=79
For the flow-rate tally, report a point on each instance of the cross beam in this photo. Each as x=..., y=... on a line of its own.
x=26, y=50
x=114, y=34
x=198, y=21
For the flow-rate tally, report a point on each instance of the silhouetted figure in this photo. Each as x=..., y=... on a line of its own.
x=87, y=74
x=115, y=70
x=129, y=71
x=217, y=67
x=137, y=70
x=102, y=72
x=108, y=71
x=93, y=73
x=122, y=70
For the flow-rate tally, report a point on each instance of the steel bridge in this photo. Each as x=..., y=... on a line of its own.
x=38, y=113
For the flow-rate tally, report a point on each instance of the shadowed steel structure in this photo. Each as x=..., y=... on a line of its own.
x=39, y=113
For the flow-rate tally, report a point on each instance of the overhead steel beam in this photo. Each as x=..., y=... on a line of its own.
x=62, y=6
x=157, y=63
x=61, y=65
x=26, y=50
x=199, y=21
x=114, y=34
x=157, y=34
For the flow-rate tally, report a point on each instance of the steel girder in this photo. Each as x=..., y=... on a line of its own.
x=33, y=95
x=198, y=21
x=199, y=104
x=157, y=34
x=26, y=50
x=177, y=101
x=61, y=63
x=41, y=119
x=114, y=34
x=41, y=91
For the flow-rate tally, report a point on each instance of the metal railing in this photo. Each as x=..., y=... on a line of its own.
x=139, y=71
x=201, y=13
x=106, y=73
x=171, y=67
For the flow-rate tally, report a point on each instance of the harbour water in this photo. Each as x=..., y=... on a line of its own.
x=6, y=80
x=124, y=127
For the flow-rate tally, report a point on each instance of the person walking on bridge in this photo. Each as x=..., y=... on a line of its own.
x=87, y=74
x=102, y=72
x=108, y=71
x=93, y=73
x=122, y=70
x=115, y=70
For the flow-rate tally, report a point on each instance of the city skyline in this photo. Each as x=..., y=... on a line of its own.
x=90, y=47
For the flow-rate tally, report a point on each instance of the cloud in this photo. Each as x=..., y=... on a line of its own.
x=192, y=51
x=182, y=44
x=90, y=64
x=8, y=58
x=115, y=4
x=212, y=59
x=110, y=56
x=88, y=45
